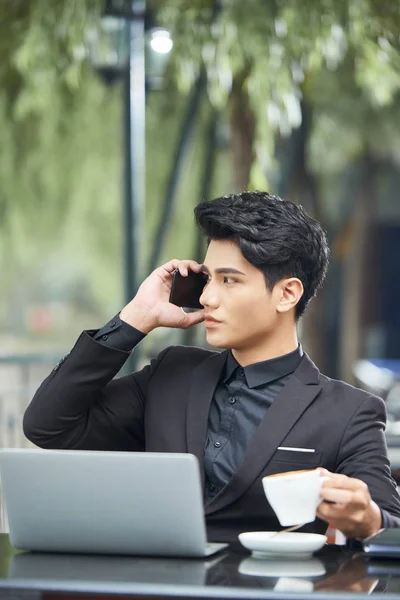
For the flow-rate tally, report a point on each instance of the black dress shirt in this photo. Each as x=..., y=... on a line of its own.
x=241, y=399
x=119, y=335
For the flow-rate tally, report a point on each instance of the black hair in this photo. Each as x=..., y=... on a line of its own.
x=274, y=235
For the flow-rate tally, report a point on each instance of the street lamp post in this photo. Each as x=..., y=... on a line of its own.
x=117, y=50
x=134, y=130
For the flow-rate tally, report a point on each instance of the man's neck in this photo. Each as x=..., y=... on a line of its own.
x=266, y=350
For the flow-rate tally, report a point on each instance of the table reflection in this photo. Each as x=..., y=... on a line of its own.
x=332, y=570
x=351, y=576
x=313, y=574
x=275, y=567
x=124, y=569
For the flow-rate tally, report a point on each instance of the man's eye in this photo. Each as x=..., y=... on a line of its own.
x=229, y=280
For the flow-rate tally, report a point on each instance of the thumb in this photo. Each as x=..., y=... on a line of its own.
x=193, y=318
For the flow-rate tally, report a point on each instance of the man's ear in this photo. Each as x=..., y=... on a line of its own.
x=290, y=292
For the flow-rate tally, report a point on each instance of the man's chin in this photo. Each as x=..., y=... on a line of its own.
x=217, y=341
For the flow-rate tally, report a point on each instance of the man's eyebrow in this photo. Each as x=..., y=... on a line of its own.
x=223, y=271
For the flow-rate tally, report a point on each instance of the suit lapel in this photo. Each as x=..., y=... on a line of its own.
x=299, y=392
x=204, y=381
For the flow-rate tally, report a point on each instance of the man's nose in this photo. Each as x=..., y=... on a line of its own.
x=209, y=295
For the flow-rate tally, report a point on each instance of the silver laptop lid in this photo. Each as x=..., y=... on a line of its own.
x=104, y=502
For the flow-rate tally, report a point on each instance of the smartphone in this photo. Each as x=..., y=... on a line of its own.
x=186, y=291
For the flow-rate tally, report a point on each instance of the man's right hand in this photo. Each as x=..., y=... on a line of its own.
x=150, y=308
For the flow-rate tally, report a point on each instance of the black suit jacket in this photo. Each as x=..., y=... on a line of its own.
x=164, y=408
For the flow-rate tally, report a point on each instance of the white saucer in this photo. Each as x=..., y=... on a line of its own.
x=291, y=544
x=282, y=567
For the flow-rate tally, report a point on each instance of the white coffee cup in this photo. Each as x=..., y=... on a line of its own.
x=294, y=495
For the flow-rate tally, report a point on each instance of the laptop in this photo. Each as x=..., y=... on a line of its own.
x=82, y=501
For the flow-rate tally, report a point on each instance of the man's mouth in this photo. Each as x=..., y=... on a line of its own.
x=210, y=321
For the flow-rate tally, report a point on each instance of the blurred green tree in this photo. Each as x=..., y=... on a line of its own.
x=308, y=88
x=303, y=88
x=263, y=58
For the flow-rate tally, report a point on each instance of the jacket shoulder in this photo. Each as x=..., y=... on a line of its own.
x=349, y=393
x=186, y=353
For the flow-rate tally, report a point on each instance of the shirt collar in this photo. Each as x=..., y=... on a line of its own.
x=262, y=373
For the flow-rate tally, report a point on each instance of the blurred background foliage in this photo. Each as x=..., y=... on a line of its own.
x=303, y=97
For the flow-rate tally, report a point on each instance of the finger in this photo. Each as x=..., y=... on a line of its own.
x=192, y=265
x=184, y=266
x=175, y=264
x=338, y=518
x=337, y=495
x=170, y=266
x=324, y=512
x=188, y=265
x=332, y=513
x=342, y=507
x=323, y=472
x=337, y=480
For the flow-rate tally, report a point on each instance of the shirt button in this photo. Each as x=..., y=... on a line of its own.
x=104, y=337
x=232, y=400
x=113, y=324
x=217, y=444
x=241, y=373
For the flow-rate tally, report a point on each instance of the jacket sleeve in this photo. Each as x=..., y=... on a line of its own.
x=81, y=406
x=363, y=455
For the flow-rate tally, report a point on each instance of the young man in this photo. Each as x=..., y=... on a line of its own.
x=259, y=407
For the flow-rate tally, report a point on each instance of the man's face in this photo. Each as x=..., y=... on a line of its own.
x=236, y=296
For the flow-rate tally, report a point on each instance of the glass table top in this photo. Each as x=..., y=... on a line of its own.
x=233, y=573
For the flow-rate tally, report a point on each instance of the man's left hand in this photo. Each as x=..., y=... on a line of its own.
x=347, y=506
